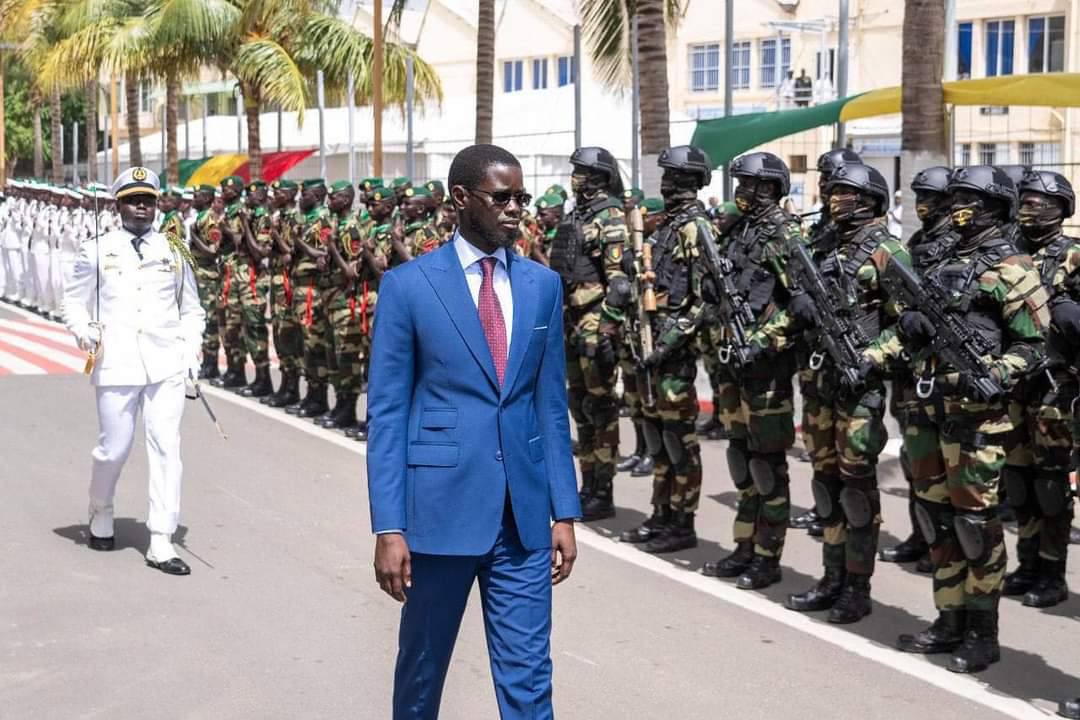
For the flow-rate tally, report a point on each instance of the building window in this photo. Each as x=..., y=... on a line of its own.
x=740, y=65
x=539, y=71
x=963, y=154
x=1046, y=44
x=993, y=154
x=999, y=47
x=1040, y=154
x=705, y=67
x=513, y=75
x=567, y=70
x=963, y=50
x=797, y=163
x=770, y=78
x=146, y=103
x=826, y=67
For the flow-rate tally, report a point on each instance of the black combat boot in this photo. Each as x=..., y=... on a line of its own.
x=1024, y=578
x=704, y=425
x=925, y=564
x=345, y=418
x=601, y=504
x=277, y=399
x=261, y=386
x=630, y=462
x=330, y=411
x=295, y=407
x=733, y=565
x=644, y=467
x=804, y=521
x=911, y=550
x=357, y=432
x=649, y=529
x=678, y=535
x=980, y=648
x=1051, y=589
x=233, y=378
x=763, y=572
x=1070, y=708
x=943, y=636
x=209, y=369
x=822, y=596
x=587, y=485
x=314, y=404
x=854, y=602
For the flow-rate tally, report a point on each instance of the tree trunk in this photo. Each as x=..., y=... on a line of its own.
x=131, y=105
x=655, y=115
x=39, y=150
x=485, y=70
x=923, y=141
x=172, y=101
x=57, y=131
x=252, y=105
x=90, y=121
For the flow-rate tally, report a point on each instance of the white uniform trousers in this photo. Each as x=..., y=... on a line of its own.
x=39, y=264
x=56, y=278
x=27, y=276
x=118, y=408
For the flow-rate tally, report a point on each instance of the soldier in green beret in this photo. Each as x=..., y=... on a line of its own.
x=288, y=338
x=252, y=267
x=232, y=239
x=421, y=235
x=549, y=213
x=559, y=190
x=631, y=199
x=205, y=240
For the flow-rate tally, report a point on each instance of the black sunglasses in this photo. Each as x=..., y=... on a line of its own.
x=502, y=198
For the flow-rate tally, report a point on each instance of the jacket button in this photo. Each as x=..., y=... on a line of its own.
x=498, y=455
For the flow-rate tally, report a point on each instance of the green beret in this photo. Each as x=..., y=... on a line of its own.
x=558, y=190
x=436, y=186
x=400, y=182
x=284, y=185
x=206, y=188
x=731, y=208
x=634, y=193
x=549, y=200
x=373, y=182
x=256, y=185
x=234, y=181
x=313, y=183
x=418, y=192
x=651, y=205
x=380, y=193
x=340, y=185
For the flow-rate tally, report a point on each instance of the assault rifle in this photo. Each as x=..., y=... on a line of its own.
x=841, y=337
x=955, y=342
x=645, y=298
x=734, y=311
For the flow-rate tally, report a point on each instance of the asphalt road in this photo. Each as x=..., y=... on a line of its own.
x=281, y=617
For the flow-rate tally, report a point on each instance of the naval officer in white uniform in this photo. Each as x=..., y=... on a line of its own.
x=133, y=299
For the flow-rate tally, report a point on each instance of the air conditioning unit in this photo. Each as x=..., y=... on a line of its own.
x=789, y=6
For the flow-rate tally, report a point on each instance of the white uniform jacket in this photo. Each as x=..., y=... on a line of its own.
x=152, y=322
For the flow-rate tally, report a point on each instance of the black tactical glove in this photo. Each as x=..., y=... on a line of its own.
x=1066, y=319
x=803, y=311
x=655, y=358
x=916, y=330
x=852, y=384
x=605, y=349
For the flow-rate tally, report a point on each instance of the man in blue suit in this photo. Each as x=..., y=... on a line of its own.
x=470, y=473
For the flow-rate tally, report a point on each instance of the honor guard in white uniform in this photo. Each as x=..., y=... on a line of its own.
x=133, y=305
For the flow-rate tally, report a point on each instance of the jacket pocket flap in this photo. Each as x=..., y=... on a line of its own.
x=441, y=419
x=433, y=454
x=536, y=449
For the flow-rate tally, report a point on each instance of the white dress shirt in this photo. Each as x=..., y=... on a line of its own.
x=470, y=256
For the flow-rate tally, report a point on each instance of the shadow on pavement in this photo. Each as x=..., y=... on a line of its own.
x=129, y=533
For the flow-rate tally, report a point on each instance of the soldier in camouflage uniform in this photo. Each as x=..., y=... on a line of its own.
x=288, y=338
x=930, y=244
x=587, y=253
x=821, y=233
x=756, y=400
x=253, y=272
x=957, y=448
x=205, y=239
x=843, y=412
x=417, y=210
x=1036, y=474
x=680, y=270
x=309, y=264
x=171, y=220
x=549, y=213
x=232, y=242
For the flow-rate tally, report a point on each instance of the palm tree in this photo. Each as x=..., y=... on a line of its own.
x=485, y=70
x=922, y=137
x=39, y=145
x=131, y=115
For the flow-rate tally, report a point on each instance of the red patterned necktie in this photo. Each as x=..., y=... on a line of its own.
x=491, y=317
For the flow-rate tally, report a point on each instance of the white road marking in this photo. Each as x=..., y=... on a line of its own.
x=18, y=366
x=58, y=357
x=56, y=333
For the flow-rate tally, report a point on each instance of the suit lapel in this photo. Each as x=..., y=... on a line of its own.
x=522, y=285
x=448, y=280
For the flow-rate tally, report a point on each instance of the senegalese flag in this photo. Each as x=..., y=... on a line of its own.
x=212, y=170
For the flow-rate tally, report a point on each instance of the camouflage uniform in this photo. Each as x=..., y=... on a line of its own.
x=342, y=305
x=208, y=277
x=288, y=338
x=421, y=237
x=308, y=306
x=233, y=257
x=254, y=287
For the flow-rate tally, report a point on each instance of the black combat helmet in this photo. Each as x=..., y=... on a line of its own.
x=828, y=162
x=1052, y=184
x=987, y=180
x=687, y=159
x=764, y=166
x=932, y=179
x=865, y=179
x=1015, y=173
x=595, y=158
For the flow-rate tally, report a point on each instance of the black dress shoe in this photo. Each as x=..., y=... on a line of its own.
x=1070, y=708
x=173, y=566
x=101, y=543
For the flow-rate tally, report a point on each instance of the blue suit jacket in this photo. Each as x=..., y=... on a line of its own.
x=445, y=445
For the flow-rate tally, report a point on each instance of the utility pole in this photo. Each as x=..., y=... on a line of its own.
x=635, y=106
x=729, y=50
x=351, y=91
x=377, y=88
x=410, y=81
x=74, y=153
x=321, y=95
x=576, y=72
x=842, y=67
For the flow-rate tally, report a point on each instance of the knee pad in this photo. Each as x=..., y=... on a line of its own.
x=675, y=449
x=1052, y=492
x=1015, y=481
x=654, y=442
x=976, y=534
x=935, y=521
x=826, y=489
x=858, y=507
x=577, y=409
x=768, y=475
x=603, y=410
x=738, y=462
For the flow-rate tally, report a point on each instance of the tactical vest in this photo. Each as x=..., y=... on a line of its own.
x=861, y=303
x=672, y=276
x=571, y=257
x=929, y=248
x=753, y=279
x=960, y=280
x=1051, y=261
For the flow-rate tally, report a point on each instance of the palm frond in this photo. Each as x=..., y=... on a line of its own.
x=266, y=65
x=192, y=24
x=74, y=60
x=606, y=25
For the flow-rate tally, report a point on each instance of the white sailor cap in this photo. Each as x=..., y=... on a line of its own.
x=136, y=181
x=73, y=194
